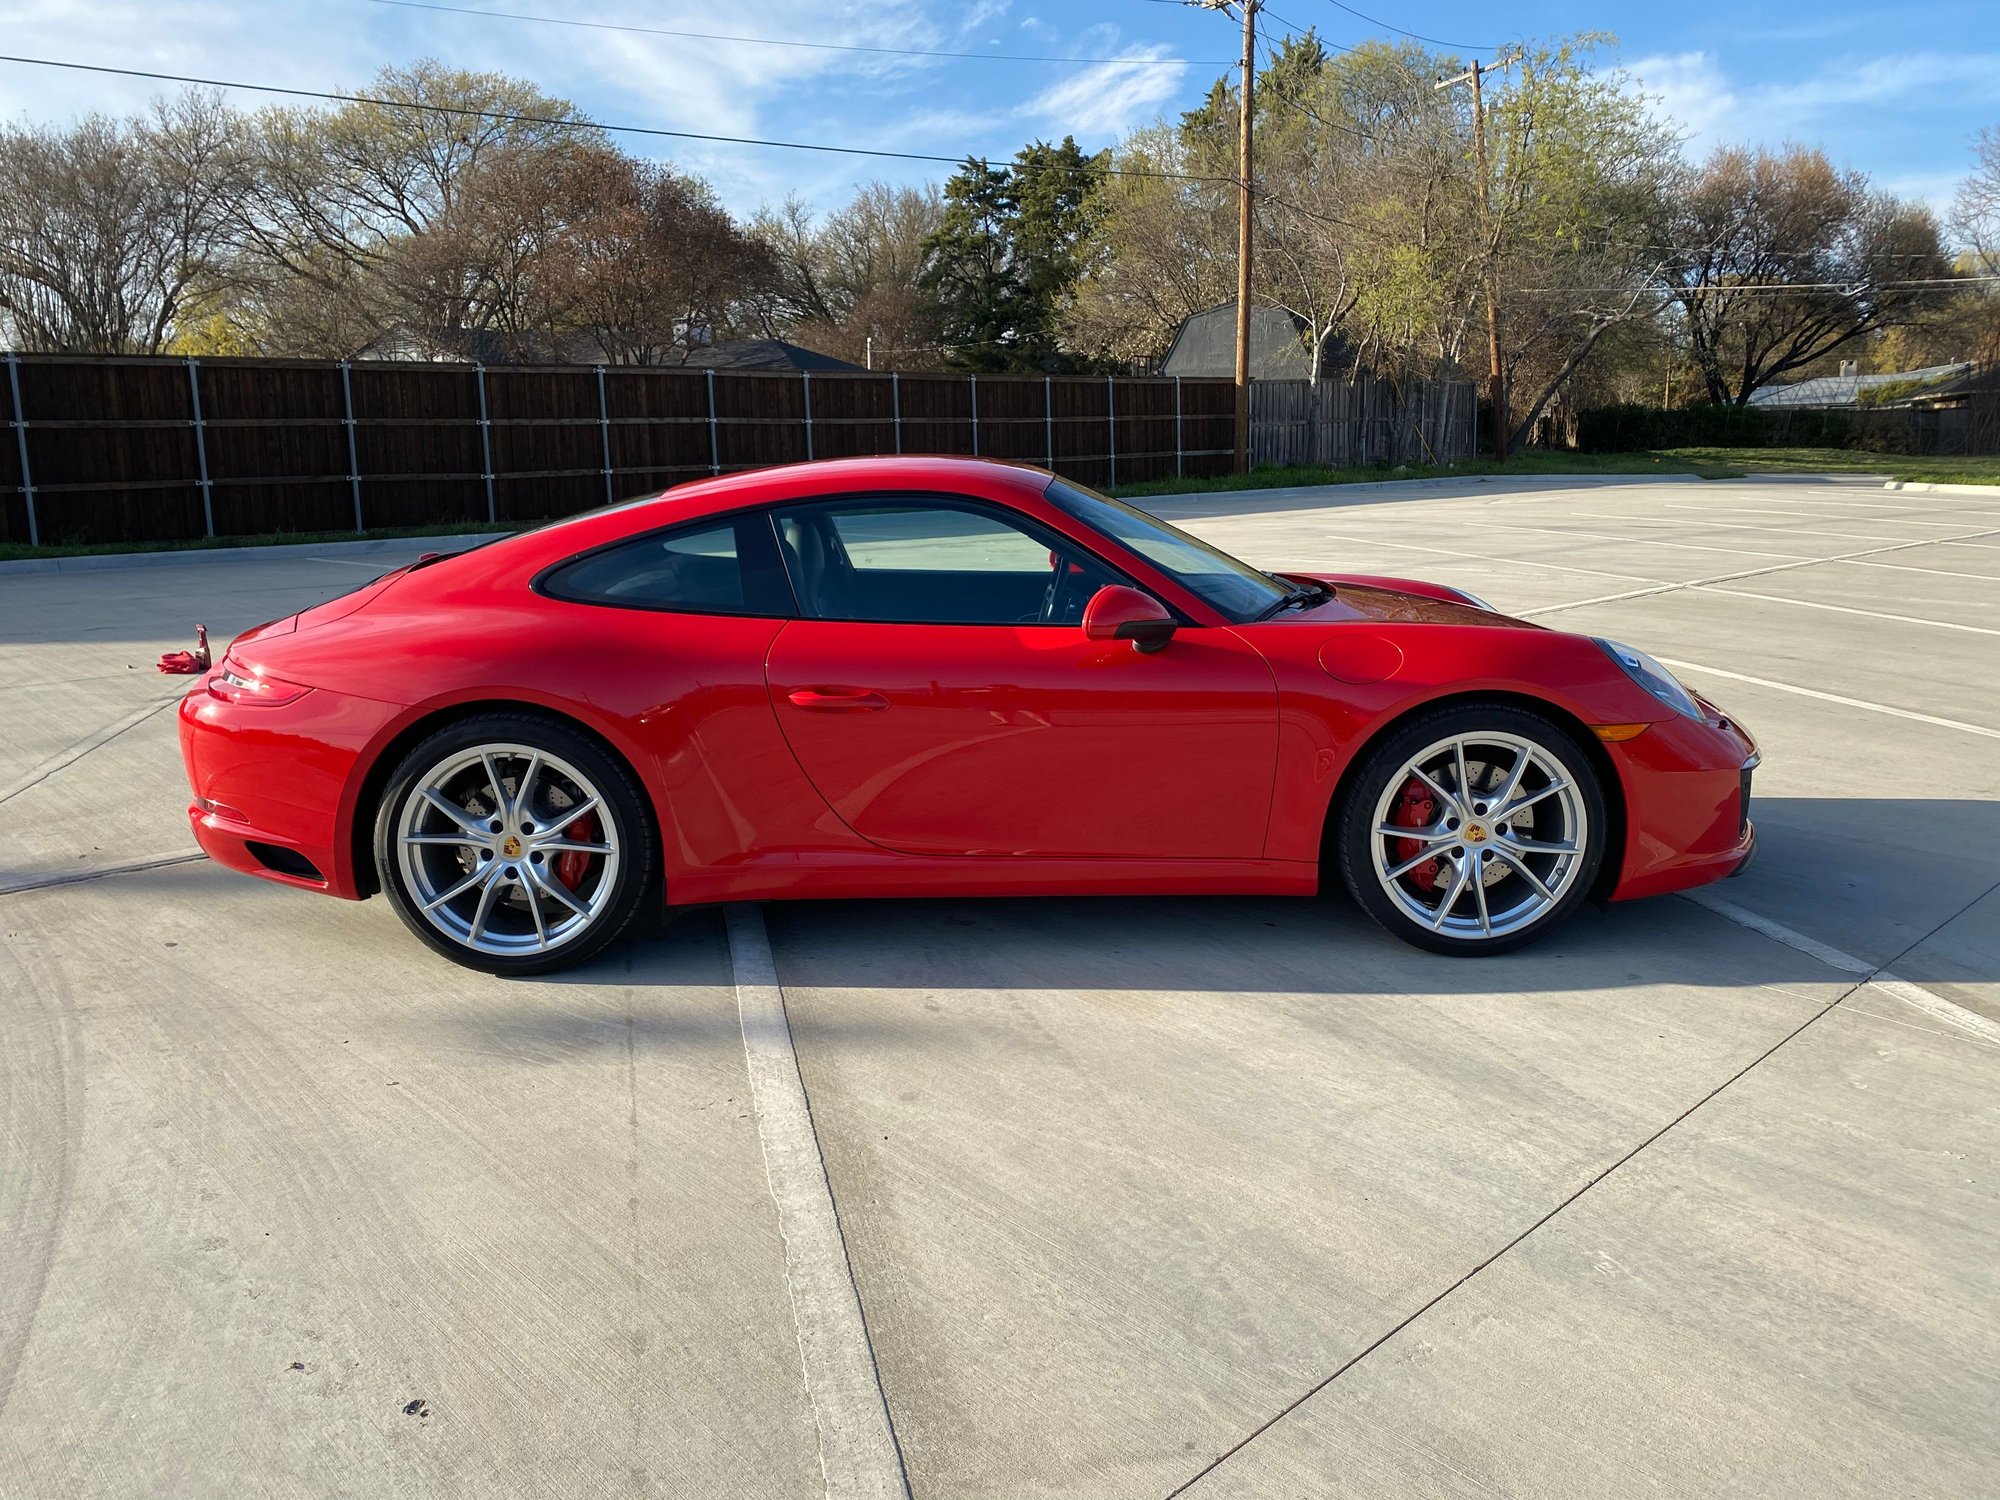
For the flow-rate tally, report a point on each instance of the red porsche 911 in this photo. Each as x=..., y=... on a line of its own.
x=933, y=677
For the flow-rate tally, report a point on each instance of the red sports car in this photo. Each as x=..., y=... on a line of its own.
x=939, y=676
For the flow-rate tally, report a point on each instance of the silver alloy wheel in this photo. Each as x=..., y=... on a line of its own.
x=1505, y=841
x=479, y=840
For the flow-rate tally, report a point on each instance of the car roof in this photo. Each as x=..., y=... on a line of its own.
x=979, y=478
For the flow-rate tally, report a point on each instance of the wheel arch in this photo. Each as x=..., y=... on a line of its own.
x=1593, y=749
x=374, y=781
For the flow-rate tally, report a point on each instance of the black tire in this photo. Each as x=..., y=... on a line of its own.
x=618, y=882
x=1384, y=776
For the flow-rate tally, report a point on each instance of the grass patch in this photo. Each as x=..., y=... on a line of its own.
x=1683, y=461
x=1917, y=468
x=13, y=551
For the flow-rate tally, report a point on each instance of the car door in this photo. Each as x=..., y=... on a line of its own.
x=939, y=692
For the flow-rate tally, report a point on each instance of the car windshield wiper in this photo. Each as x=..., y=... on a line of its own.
x=1296, y=594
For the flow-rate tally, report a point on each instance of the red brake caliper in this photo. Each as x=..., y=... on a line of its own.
x=573, y=864
x=1416, y=807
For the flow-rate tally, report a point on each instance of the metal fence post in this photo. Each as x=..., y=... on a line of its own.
x=806, y=391
x=485, y=448
x=353, y=463
x=714, y=447
x=1049, y=419
x=974, y=387
x=1111, y=425
x=21, y=439
x=604, y=431
x=896, y=405
x=201, y=450
x=1180, y=447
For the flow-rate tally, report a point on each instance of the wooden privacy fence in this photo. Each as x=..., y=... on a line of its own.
x=1359, y=423
x=161, y=449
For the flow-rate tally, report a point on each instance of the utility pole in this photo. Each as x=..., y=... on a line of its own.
x=1496, y=379
x=1245, y=113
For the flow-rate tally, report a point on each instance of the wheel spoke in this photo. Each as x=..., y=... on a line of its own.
x=485, y=906
x=1479, y=894
x=558, y=890
x=1520, y=867
x=1558, y=785
x=1432, y=782
x=1409, y=864
x=1464, y=782
x=453, y=811
x=450, y=840
x=524, y=792
x=569, y=815
x=571, y=846
x=1533, y=846
x=1451, y=896
x=499, y=787
x=1513, y=782
x=458, y=890
x=535, y=911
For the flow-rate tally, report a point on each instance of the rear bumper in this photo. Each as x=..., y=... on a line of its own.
x=271, y=783
x=1687, y=805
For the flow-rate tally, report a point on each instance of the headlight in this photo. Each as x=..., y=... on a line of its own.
x=1651, y=676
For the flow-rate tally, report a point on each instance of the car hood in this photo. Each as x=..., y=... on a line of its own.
x=1402, y=601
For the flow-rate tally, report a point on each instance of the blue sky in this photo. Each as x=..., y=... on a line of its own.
x=1896, y=90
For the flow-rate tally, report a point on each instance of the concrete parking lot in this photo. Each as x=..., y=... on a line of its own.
x=1223, y=1198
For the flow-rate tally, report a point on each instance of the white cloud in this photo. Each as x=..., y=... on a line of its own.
x=1846, y=98
x=1107, y=99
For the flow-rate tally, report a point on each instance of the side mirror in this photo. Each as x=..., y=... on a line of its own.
x=1118, y=613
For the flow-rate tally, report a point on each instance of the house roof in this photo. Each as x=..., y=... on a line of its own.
x=1205, y=344
x=1846, y=390
x=765, y=354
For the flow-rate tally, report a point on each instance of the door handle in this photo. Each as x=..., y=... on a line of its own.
x=838, y=700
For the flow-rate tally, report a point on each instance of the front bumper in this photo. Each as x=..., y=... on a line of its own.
x=273, y=784
x=1687, y=804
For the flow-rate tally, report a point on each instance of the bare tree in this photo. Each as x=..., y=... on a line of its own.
x=110, y=229
x=848, y=285
x=1779, y=260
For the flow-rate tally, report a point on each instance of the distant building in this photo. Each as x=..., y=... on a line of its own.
x=1849, y=388
x=764, y=354
x=1280, y=346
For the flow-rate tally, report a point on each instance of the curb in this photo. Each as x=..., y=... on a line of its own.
x=1927, y=488
x=96, y=562
x=1379, y=486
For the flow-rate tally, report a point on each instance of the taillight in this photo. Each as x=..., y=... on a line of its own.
x=233, y=682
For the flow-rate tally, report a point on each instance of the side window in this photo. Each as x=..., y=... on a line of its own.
x=729, y=567
x=933, y=562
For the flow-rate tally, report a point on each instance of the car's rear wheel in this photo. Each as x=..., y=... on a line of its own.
x=1473, y=829
x=513, y=844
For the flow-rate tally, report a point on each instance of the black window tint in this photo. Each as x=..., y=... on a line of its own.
x=728, y=568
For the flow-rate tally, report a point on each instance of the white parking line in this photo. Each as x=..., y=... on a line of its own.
x=1862, y=703
x=858, y=1453
x=1910, y=994
x=1855, y=562
x=1847, y=609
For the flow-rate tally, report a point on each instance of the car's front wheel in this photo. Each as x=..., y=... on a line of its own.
x=1473, y=829
x=513, y=844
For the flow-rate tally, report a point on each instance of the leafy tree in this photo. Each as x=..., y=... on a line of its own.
x=1007, y=255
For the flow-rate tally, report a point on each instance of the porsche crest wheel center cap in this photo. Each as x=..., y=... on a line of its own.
x=1475, y=833
x=510, y=847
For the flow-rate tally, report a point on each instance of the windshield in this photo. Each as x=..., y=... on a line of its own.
x=1233, y=589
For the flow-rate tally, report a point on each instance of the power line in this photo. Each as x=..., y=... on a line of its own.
x=1418, y=35
x=767, y=41
x=563, y=122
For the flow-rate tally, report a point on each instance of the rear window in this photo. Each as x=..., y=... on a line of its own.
x=729, y=567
